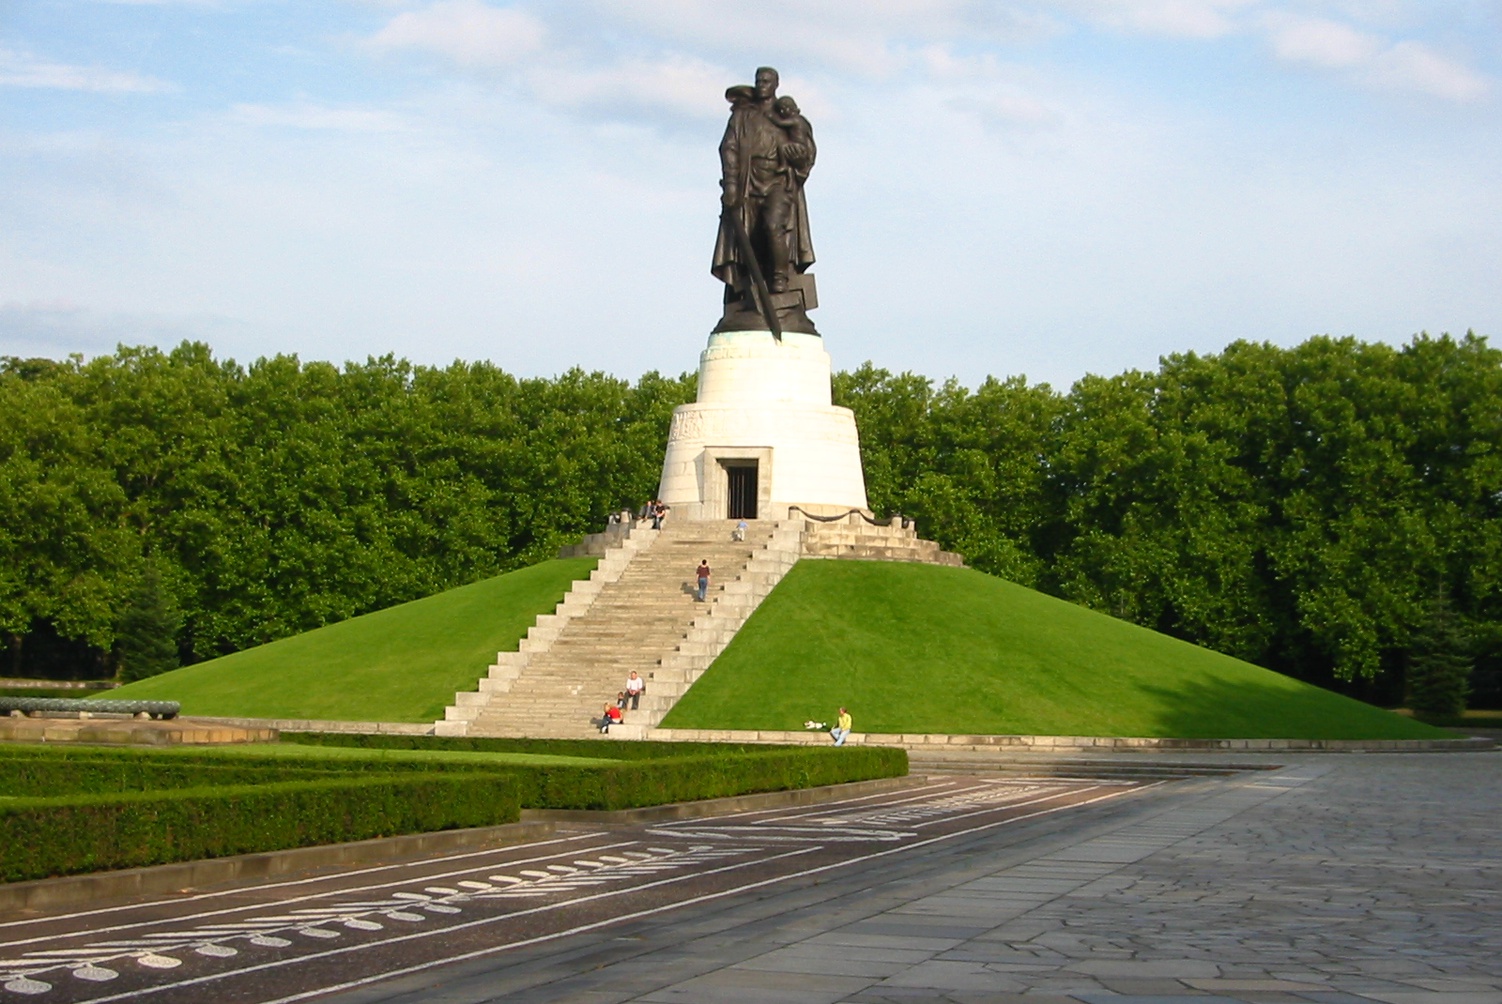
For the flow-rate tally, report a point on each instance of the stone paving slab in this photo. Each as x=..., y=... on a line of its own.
x=1344, y=880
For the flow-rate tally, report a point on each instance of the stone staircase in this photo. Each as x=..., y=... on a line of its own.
x=636, y=611
x=858, y=537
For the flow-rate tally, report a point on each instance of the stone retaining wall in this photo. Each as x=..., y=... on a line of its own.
x=134, y=732
x=323, y=725
x=938, y=741
x=854, y=537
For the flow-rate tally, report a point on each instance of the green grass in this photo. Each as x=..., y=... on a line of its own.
x=402, y=664
x=1471, y=718
x=923, y=648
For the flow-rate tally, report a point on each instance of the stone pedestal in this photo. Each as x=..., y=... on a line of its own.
x=763, y=434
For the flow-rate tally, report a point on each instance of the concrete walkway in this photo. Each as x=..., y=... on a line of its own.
x=1335, y=880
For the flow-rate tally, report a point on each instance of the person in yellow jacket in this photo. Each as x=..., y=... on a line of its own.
x=841, y=728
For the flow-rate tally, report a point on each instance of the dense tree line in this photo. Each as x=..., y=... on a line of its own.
x=1327, y=510
x=1308, y=509
x=286, y=495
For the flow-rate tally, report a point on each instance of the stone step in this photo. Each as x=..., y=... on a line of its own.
x=637, y=611
x=642, y=615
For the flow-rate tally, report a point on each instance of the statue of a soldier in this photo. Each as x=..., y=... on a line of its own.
x=763, y=251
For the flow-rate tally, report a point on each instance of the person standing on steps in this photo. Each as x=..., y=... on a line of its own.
x=703, y=576
x=635, y=687
x=841, y=729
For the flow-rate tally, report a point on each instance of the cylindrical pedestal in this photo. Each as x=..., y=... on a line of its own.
x=763, y=434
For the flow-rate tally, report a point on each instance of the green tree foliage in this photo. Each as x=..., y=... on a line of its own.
x=287, y=495
x=1439, y=664
x=67, y=551
x=147, y=636
x=1294, y=507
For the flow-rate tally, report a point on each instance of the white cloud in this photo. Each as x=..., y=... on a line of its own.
x=1176, y=18
x=873, y=39
x=469, y=32
x=1320, y=42
x=680, y=84
x=1010, y=110
x=20, y=69
x=1414, y=66
x=942, y=62
x=1375, y=62
x=306, y=115
x=476, y=36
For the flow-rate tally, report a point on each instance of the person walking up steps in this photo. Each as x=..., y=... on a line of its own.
x=703, y=576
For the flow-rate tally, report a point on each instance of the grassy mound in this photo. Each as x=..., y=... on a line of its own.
x=401, y=664
x=922, y=648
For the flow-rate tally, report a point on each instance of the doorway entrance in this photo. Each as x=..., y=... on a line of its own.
x=741, y=497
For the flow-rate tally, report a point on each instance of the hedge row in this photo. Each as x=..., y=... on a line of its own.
x=72, y=834
x=624, y=785
x=42, y=777
x=100, y=705
x=686, y=779
x=208, y=803
x=593, y=748
x=687, y=776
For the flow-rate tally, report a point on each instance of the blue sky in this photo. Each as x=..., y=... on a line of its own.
x=1040, y=187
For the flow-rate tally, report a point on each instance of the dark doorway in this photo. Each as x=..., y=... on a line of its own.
x=742, y=490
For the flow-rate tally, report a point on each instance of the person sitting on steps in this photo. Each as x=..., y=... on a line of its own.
x=635, y=687
x=611, y=716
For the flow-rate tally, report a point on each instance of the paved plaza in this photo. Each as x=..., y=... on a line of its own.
x=1309, y=879
x=1337, y=879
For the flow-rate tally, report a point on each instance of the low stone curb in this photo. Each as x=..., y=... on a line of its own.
x=724, y=806
x=185, y=876
x=921, y=741
x=317, y=725
x=133, y=732
x=1097, y=744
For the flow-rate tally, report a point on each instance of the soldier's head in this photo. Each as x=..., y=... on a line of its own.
x=766, y=83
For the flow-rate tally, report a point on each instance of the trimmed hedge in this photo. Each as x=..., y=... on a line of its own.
x=72, y=834
x=689, y=775
x=595, y=748
x=626, y=785
x=101, y=705
x=43, y=777
x=652, y=773
x=208, y=803
x=687, y=779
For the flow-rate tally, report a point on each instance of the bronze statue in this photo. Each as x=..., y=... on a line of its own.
x=763, y=251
